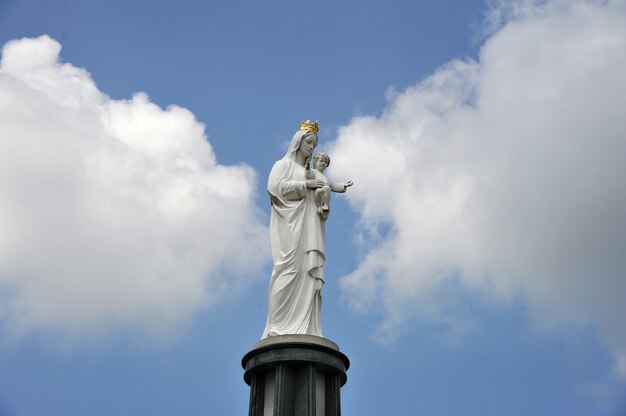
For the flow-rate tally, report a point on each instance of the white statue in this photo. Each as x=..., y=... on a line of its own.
x=322, y=195
x=297, y=240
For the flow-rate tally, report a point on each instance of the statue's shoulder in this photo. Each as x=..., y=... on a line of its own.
x=281, y=164
x=279, y=171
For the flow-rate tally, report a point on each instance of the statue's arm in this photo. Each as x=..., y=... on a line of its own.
x=340, y=187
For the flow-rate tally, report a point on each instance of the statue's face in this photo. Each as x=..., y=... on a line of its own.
x=321, y=164
x=308, y=144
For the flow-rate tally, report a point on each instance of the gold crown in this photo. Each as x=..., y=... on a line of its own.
x=307, y=125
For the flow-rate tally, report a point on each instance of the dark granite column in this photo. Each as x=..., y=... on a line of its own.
x=295, y=375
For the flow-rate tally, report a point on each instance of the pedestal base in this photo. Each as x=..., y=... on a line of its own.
x=295, y=375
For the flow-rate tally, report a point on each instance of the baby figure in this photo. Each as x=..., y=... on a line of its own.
x=322, y=195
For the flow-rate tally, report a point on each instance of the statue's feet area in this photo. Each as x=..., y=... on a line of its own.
x=297, y=338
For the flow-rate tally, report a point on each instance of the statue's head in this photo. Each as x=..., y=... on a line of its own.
x=304, y=141
x=309, y=139
x=307, y=144
x=321, y=161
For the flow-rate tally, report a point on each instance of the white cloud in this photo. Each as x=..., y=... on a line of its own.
x=505, y=175
x=115, y=214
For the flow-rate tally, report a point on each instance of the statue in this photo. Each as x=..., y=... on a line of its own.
x=297, y=238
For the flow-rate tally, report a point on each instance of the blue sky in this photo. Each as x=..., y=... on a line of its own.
x=475, y=267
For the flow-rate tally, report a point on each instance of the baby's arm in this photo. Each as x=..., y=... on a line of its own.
x=340, y=187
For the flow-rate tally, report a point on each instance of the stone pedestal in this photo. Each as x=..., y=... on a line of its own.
x=295, y=375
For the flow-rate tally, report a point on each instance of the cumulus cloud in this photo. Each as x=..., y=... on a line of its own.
x=115, y=214
x=502, y=176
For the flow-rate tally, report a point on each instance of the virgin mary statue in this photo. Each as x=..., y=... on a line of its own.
x=297, y=241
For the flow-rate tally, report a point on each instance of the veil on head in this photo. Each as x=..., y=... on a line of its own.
x=295, y=144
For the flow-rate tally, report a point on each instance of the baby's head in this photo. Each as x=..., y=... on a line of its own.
x=321, y=162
